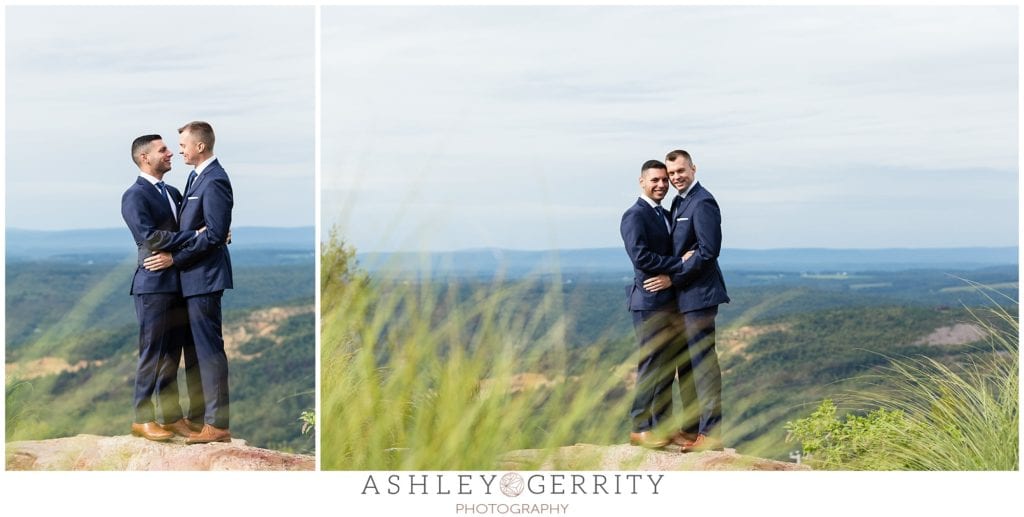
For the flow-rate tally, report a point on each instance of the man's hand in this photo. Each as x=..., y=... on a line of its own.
x=158, y=260
x=687, y=255
x=201, y=230
x=658, y=283
x=228, y=241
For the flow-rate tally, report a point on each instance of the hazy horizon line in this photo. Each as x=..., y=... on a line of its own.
x=322, y=240
x=93, y=229
x=789, y=248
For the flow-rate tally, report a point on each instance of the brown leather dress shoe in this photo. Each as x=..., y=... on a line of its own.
x=179, y=427
x=193, y=425
x=704, y=443
x=648, y=440
x=683, y=438
x=209, y=434
x=151, y=431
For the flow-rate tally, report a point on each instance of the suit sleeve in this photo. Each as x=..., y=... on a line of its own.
x=217, y=203
x=707, y=223
x=639, y=250
x=144, y=228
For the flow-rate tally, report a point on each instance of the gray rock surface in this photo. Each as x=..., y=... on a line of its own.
x=92, y=452
x=629, y=457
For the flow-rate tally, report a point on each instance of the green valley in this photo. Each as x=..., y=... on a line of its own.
x=71, y=349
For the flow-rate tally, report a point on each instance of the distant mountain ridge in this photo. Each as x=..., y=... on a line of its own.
x=514, y=263
x=38, y=244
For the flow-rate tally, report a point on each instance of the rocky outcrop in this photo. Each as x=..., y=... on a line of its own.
x=30, y=369
x=261, y=323
x=959, y=334
x=91, y=452
x=628, y=457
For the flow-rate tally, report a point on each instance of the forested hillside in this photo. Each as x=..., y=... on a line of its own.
x=72, y=347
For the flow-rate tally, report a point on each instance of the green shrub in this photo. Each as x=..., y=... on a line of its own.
x=927, y=415
x=832, y=443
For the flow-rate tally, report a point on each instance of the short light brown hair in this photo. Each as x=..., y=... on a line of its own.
x=675, y=155
x=203, y=132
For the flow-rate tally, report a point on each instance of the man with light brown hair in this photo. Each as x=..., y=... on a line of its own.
x=204, y=266
x=696, y=226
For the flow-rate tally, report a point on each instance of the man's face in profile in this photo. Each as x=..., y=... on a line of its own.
x=158, y=157
x=190, y=148
x=654, y=183
x=681, y=173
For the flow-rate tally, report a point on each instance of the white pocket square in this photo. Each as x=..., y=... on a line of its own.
x=193, y=197
x=677, y=219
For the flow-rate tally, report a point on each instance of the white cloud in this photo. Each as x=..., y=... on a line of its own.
x=83, y=82
x=559, y=106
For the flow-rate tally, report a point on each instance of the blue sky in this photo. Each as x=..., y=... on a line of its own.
x=841, y=127
x=83, y=82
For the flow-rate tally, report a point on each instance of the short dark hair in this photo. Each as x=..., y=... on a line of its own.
x=675, y=155
x=652, y=164
x=203, y=131
x=140, y=143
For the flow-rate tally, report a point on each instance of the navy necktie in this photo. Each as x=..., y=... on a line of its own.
x=163, y=192
x=676, y=203
x=664, y=216
x=188, y=184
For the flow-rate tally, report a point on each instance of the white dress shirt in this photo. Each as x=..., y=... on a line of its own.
x=202, y=166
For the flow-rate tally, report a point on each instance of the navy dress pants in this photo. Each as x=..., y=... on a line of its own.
x=204, y=315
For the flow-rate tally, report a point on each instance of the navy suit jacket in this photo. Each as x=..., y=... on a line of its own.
x=649, y=246
x=697, y=225
x=149, y=217
x=204, y=264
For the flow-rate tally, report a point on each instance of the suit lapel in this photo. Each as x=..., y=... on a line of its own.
x=675, y=212
x=176, y=196
x=153, y=193
x=687, y=201
x=653, y=215
x=198, y=181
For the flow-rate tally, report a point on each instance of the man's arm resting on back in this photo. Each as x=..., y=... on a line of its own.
x=217, y=204
x=639, y=251
x=663, y=281
x=163, y=259
x=707, y=222
x=144, y=228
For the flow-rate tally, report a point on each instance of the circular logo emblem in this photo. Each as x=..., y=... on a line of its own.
x=512, y=484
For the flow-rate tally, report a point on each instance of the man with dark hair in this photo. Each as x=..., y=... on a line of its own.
x=645, y=230
x=204, y=267
x=700, y=289
x=149, y=208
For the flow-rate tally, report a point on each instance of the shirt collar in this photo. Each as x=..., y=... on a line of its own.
x=649, y=200
x=152, y=181
x=202, y=166
x=684, y=194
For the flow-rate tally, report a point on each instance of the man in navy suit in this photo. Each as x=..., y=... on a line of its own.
x=204, y=267
x=645, y=230
x=700, y=288
x=149, y=207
